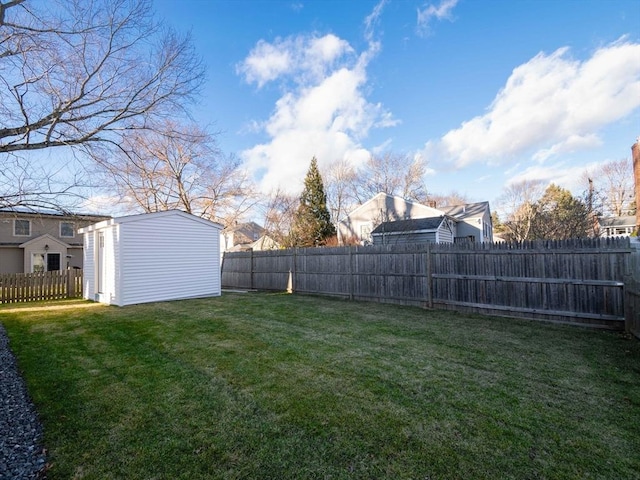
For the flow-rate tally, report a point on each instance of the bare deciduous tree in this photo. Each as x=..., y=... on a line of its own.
x=614, y=187
x=180, y=168
x=340, y=178
x=394, y=174
x=76, y=73
x=279, y=214
x=452, y=198
x=518, y=206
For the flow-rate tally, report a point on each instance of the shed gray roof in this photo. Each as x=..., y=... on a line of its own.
x=417, y=224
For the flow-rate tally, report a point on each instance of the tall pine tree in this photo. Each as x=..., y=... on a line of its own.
x=312, y=223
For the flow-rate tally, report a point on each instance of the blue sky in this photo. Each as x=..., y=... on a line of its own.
x=488, y=92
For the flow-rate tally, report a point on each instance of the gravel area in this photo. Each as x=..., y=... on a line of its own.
x=22, y=455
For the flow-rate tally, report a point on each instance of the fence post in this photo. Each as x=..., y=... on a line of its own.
x=351, y=272
x=71, y=284
x=251, y=269
x=429, y=277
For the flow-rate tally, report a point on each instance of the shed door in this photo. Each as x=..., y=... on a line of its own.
x=101, y=253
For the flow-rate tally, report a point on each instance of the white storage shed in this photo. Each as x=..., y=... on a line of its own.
x=151, y=257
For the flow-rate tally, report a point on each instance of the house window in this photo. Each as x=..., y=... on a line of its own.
x=38, y=262
x=45, y=262
x=365, y=232
x=67, y=229
x=21, y=228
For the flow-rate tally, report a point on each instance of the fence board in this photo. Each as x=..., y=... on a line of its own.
x=29, y=287
x=632, y=305
x=578, y=281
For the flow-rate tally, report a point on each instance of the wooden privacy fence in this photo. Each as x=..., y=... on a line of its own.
x=632, y=305
x=28, y=287
x=578, y=281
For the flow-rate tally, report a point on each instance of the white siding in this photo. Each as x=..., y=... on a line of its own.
x=167, y=258
x=444, y=234
x=153, y=257
x=111, y=279
x=88, y=274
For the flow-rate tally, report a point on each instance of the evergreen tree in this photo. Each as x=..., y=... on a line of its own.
x=312, y=222
x=559, y=216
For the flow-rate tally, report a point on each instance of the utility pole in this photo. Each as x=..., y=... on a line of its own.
x=595, y=226
x=635, y=152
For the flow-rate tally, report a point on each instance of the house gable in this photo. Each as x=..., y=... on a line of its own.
x=474, y=221
x=381, y=208
x=241, y=236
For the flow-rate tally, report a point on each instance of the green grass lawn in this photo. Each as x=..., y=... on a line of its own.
x=293, y=387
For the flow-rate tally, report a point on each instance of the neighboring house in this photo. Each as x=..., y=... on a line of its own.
x=471, y=222
x=617, y=226
x=265, y=242
x=151, y=257
x=420, y=230
x=240, y=236
x=41, y=241
x=358, y=225
x=474, y=221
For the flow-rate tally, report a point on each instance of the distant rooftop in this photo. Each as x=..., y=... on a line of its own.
x=617, y=221
x=49, y=212
x=413, y=225
x=465, y=210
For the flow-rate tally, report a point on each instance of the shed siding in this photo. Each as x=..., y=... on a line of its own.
x=112, y=284
x=166, y=258
x=88, y=276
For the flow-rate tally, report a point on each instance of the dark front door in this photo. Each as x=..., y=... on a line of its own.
x=53, y=261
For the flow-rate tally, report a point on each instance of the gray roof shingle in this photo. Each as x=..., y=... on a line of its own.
x=417, y=224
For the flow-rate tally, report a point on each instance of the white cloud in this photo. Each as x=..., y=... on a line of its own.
x=372, y=19
x=439, y=12
x=552, y=104
x=571, y=144
x=299, y=58
x=565, y=176
x=265, y=63
x=323, y=113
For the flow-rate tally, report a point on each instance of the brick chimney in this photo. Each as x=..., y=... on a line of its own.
x=635, y=152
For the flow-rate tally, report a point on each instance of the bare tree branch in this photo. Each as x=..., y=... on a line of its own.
x=85, y=74
x=27, y=186
x=95, y=77
x=180, y=168
x=394, y=174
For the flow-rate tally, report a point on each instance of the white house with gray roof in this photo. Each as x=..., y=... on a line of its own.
x=391, y=219
x=617, y=226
